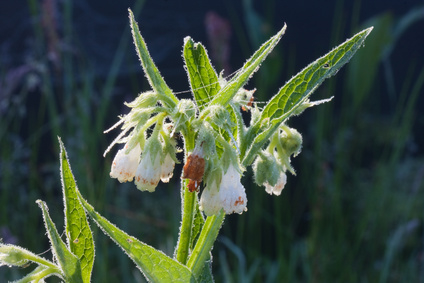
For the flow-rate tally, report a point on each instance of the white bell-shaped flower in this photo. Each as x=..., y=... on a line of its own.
x=231, y=192
x=124, y=166
x=167, y=168
x=148, y=172
x=279, y=186
x=210, y=202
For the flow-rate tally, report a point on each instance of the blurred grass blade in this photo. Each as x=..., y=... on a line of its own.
x=297, y=90
x=241, y=78
x=152, y=73
x=78, y=232
x=155, y=265
x=203, y=78
x=67, y=261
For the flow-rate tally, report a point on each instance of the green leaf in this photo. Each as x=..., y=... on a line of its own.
x=201, y=252
x=155, y=265
x=230, y=89
x=198, y=222
x=152, y=73
x=203, y=78
x=67, y=261
x=79, y=235
x=296, y=91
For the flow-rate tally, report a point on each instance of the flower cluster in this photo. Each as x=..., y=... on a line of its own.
x=271, y=164
x=150, y=155
x=146, y=161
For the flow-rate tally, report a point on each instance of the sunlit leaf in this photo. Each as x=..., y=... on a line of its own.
x=79, y=235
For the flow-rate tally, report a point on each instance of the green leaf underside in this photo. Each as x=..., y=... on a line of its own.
x=296, y=91
x=155, y=265
x=80, y=238
x=152, y=73
x=240, y=79
x=68, y=262
x=203, y=78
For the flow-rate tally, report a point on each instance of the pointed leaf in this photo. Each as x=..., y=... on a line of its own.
x=241, y=78
x=201, y=252
x=298, y=88
x=67, y=261
x=296, y=91
x=155, y=265
x=79, y=235
x=152, y=73
x=203, y=78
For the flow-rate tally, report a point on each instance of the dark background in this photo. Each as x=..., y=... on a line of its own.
x=354, y=212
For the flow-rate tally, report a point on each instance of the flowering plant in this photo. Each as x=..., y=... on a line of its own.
x=218, y=147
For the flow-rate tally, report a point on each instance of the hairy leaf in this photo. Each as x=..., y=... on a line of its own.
x=67, y=261
x=155, y=265
x=240, y=79
x=152, y=73
x=203, y=78
x=296, y=91
x=79, y=235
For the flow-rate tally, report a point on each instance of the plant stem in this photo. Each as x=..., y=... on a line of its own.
x=189, y=205
x=205, y=242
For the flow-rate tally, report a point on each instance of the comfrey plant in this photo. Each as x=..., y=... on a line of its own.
x=218, y=147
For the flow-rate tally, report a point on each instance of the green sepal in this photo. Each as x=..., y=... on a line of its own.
x=155, y=265
x=66, y=260
x=295, y=92
x=203, y=79
x=78, y=232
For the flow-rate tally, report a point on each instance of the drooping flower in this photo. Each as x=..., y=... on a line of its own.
x=232, y=193
x=124, y=166
x=148, y=172
x=167, y=168
x=194, y=168
x=278, y=187
x=210, y=202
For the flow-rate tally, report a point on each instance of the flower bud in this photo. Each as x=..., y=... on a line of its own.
x=266, y=170
x=144, y=100
x=291, y=141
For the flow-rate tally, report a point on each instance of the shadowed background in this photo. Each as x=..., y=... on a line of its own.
x=354, y=212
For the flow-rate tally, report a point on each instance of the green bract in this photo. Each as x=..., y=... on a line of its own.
x=218, y=147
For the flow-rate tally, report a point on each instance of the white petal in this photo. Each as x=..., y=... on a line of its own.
x=148, y=174
x=124, y=165
x=167, y=169
x=232, y=193
x=210, y=202
x=276, y=190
